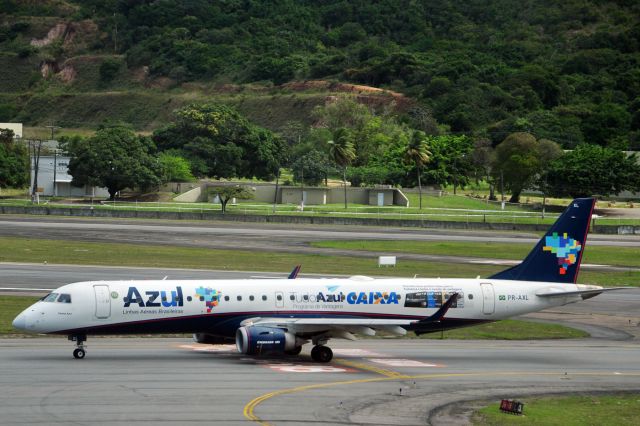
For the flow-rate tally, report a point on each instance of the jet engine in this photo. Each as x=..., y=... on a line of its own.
x=255, y=340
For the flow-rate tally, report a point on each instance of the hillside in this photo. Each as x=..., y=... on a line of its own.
x=567, y=71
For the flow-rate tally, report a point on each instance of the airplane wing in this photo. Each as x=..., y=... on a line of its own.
x=346, y=327
x=586, y=294
x=332, y=327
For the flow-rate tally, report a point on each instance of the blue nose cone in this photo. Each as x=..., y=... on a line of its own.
x=20, y=322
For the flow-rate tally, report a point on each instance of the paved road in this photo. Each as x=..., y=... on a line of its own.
x=248, y=235
x=377, y=382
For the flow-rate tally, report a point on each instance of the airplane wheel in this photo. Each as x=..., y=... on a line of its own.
x=295, y=351
x=79, y=353
x=321, y=353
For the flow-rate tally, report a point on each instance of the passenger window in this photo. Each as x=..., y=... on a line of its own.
x=292, y=297
x=279, y=297
x=251, y=298
x=64, y=298
x=239, y=298
x=264, y=297
x=305, y=297
x=226, y=298
x=470, y=296
x=51, y=297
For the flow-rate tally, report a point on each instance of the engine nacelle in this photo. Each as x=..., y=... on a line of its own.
x=255, y=340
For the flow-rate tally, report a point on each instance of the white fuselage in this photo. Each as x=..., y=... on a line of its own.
x=219, y=306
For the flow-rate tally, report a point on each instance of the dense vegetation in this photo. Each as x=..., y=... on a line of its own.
x=567, y=71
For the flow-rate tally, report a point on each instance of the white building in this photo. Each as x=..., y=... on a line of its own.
x=16, y=127
x=54, y=179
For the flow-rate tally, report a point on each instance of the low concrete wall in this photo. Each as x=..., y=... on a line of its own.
x=318, y=220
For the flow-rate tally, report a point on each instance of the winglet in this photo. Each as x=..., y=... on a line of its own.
x=294, y=273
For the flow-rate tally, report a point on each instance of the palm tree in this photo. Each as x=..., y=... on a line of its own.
x=342, y=152
x=417, y=153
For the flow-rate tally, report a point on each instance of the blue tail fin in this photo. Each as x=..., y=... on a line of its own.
x=557, y=256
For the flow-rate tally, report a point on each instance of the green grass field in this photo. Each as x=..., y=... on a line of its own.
x=510, y=330
x=618, y=410
x=457, y=208
x=10, y=306
x=83, y=253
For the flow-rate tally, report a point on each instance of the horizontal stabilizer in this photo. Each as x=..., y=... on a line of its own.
x=586, y=294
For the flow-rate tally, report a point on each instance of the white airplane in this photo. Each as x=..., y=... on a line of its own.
x=279, y=316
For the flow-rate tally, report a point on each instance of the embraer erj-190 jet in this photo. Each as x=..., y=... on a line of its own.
x=279, y=316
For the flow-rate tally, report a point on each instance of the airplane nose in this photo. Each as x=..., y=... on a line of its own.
x=20, y=322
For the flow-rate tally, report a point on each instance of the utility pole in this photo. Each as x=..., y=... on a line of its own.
x=302, y=187
x=275, y=197
x=36, y=163
x=55, y=158
x=115, y=34
x=53, y=128
x=55, y=170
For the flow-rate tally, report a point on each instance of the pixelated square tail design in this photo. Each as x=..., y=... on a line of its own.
x=210, y=296
x=565, y=248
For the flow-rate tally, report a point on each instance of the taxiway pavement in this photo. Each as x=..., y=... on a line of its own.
x=370, y=382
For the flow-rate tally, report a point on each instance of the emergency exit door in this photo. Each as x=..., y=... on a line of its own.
x=103, y=301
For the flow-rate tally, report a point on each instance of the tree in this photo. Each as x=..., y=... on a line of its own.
x=174, y=168
x=520, y=158
x=219, y=142
x=342, y=152
x=450, y=160
x=418, y=154
x=115, y=158
x=226, y=193
x=483, y=157
x=14, y=161
x=312, y=167
x=593, y=170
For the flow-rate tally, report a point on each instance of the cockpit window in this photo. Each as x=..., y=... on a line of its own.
x=64, y=298
x=51, y=297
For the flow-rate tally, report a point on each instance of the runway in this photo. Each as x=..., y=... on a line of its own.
x=251, y=235
x=377, y=382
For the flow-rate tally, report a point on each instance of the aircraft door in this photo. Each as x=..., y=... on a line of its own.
x=488, y=299
x=279, y=299
x=103, y=301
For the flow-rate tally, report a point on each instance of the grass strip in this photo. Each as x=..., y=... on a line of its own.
x=114, y=254
x=603, y=255
x=10, y=307
x=510, y=330
x=581, y=410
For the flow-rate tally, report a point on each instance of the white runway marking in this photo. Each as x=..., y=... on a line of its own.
x=399, y=362
x=209, y=348
x=307, y=368
x=357, y=353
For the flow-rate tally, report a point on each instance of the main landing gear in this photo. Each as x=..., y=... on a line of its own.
x=80, y=350
x=321, y=353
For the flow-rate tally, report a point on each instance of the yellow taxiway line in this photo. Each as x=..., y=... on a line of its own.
x=392, y=375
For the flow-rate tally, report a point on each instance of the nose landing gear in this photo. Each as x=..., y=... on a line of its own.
x=80, y=350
